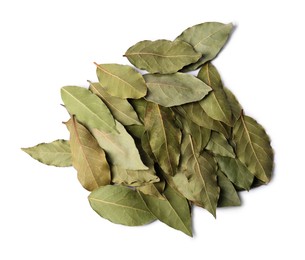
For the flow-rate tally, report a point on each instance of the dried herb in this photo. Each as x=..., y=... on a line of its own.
x=152, y=146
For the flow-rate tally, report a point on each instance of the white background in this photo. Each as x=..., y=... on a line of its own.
x=44, y=45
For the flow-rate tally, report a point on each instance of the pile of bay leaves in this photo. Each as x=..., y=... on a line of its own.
x=151, y=145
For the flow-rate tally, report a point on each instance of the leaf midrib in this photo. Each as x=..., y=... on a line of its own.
x=250, y=142
x=159, y=55
x=214, y=95
x=88, y=109
x=210, y=35
x=118, y=205
x=111, y=105
x=165, y=139
x=82, y=150
x=199, y=171
x=120, y=79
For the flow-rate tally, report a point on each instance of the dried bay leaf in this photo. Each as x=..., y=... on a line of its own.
x=196, y=178
x=119, y=107
x=120, y=205
x=195, y=113
x=253, y=147
x=228, y=196
x=200, y=135
x=153, y=189
x=164, y=136
x=161, y=56
x=88, y=157
x=174, y=89
x=218, y=144
x=121, y=81
x=206, y=38
x=56, y=153
x=234, y=104
x=215, y=104
x=174, y=210
x=120, y=148
x=133, y=178
x=236, y=171
x=89, y=109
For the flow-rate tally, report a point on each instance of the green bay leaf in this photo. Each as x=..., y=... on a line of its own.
x=174, y=89
x=88, y=157
x=161, y=56
x=88, y=108
x=133, y=178
x=121, y=109
x=174, y=210
x=228, y=195
x=196, y=114
x=216, y=104
x=154, y=189
x=236, y=171
x=200, y=135
x=56, y=153
x=218, y=144
x=253, y=147
x=164, y=136
x=234, y=104
x=121, y=81
x=206, y=38
x=120, y=205
x=196, y=178
x=120, y=148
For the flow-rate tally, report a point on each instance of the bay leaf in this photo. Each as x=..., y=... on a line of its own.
x=135, y=131
x=236, y=171
x=228, y=196
x=218, y=144
x=161, y=56
x=216, y=104
x=56, y=153
x=89, y=109
x=88, y=157
x=121, y=81
x=139, y=106
x=200, y=135
x=196, y=114
x=207, y=38
x=253, y=147
x=119, y=107
x=120, y=148
x=133, y=178
x=174, y=89
x=154, y=189
x=173, y=210
x=120, y=205
x=164, y=136
x=234, y=104
x=196, y=178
